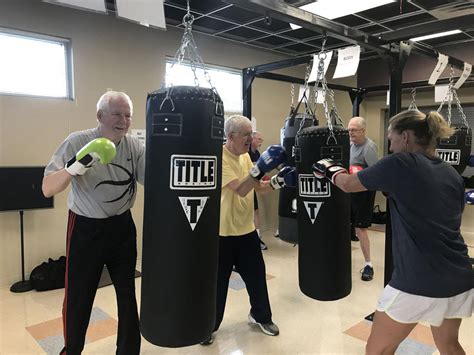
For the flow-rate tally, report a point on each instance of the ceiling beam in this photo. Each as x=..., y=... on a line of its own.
x=286, y=13
x=283, y=12
x=437, y=26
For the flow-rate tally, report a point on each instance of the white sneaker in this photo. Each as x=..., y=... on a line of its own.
x=269, y=328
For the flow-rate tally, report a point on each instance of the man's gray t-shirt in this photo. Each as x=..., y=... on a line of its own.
x=426, y=198
x=364, y=154
x=104, y=190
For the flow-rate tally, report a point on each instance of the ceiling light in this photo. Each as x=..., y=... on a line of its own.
x=435, y=35
x=332, y=9
x=94, y=5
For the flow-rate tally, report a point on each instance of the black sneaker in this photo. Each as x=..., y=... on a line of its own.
x=354, y=238
x=263, y=246
x=269, y=328
x=367, y=273
x=208, y=341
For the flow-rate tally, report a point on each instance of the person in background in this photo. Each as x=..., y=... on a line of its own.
x=254, y=153
x=100, y=228
x=363, y=154
x=432, y=279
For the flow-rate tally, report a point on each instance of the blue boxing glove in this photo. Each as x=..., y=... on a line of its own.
x=328, y=168
x=286, y=177
x=471, y=161
x=269, y=160
x=469, y=195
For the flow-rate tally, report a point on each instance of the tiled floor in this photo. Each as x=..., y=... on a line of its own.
x=30, y=322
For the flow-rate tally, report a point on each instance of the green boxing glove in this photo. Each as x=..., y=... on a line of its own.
x=99, y=149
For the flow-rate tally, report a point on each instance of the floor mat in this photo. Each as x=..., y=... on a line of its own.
x=49, y=334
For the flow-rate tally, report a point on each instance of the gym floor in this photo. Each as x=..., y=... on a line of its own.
x=30, y=322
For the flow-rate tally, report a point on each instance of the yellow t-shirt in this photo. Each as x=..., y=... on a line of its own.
x=236, y=211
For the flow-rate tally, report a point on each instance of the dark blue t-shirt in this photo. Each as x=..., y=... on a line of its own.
x=254, y=155
x=426, y=198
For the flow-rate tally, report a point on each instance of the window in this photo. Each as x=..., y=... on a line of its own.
x=228, y=82
x=36, y=65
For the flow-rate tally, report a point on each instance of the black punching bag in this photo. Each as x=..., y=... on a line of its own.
x=287, y=223
x=184, y=134
x=324, y=257
x=456, y=149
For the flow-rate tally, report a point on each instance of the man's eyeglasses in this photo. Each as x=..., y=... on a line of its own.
x=243, y=134
x=352, y=130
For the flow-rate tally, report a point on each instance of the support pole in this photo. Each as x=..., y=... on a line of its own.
x=357, y=96
x=396, y=65
x=248, y=74
x=23, y=285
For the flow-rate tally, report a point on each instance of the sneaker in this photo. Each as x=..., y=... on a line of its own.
x=208, y=341
x=354, y=238
x=263, y=246
x=367, y=273
x=269, y=328
x=277, y=234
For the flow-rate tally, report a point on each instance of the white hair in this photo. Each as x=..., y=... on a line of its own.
x=104, y=101
x=360, y=121
x=234, y=124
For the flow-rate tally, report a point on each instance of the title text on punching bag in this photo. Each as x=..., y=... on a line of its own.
x=312, y=187
x=190, y=172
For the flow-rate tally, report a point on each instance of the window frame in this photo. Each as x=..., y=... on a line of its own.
x=171, y=60
x=68, y=59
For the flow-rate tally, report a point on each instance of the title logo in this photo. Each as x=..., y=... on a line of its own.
x=312, y=208
x=312, y=187
x=193, y=207
x=450, y=156
x=193, y=172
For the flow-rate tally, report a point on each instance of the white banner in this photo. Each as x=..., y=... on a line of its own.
x=440, y=93
x=314, y=69
x=438, y=70
x=145, y=12
x=347, y=62
x=465, y=74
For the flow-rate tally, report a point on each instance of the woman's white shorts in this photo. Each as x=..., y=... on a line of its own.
x=407, y=308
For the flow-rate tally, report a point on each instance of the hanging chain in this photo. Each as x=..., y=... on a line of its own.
x=195, y=60
x=461, y=111
x=449, y=96
x=412, y=105
x=292, y=96
x=305, y=97
x=189, y=45
x=321, y=80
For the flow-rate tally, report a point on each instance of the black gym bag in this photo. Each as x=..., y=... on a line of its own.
x=49, y=275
